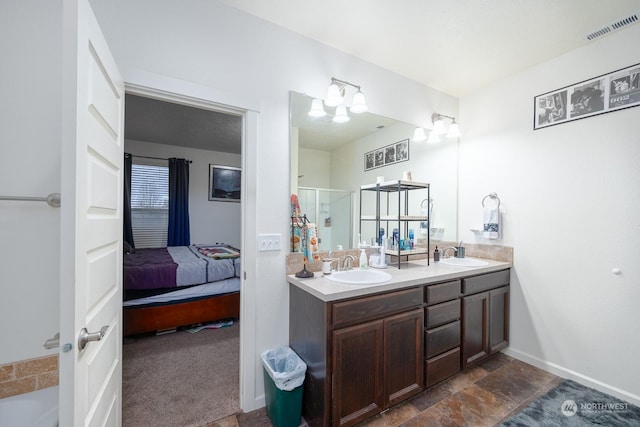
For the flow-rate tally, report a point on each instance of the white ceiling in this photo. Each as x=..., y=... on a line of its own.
x=456, y=46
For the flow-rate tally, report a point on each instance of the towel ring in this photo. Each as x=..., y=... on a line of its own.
x=430, y=204
x=492, y=196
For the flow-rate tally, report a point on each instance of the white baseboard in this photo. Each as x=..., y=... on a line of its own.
x=572, y=375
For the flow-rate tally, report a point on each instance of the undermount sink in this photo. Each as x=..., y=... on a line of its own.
x=464, y=262
x=359, y=277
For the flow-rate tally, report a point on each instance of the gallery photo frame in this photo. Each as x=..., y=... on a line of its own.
x=609, y=92
x=224, y=183
x=387, y=155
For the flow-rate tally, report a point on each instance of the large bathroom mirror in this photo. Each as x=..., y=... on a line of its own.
x=330, y=161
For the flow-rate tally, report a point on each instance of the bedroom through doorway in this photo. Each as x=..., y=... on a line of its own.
x=181, y=356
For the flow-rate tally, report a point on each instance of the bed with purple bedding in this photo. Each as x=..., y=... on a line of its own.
x=178, y=286
x=156, y=270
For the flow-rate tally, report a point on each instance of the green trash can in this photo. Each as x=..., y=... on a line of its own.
x=283, y=378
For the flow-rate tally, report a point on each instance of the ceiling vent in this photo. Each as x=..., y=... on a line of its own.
x=614, y=26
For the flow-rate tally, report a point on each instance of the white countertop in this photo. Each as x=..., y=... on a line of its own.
x=410, y=274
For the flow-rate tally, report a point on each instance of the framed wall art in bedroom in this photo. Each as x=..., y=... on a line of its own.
x=224, y=183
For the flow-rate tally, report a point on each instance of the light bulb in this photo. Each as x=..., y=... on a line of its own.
x=358, y=105
x=419, y=135
x=454, y=130
x=434, y=138
x=341, y=114
x=334, y=98
x=317, y=110
x=438, y=126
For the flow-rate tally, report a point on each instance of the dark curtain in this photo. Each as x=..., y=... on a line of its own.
x=179, y=234
x=127, y=232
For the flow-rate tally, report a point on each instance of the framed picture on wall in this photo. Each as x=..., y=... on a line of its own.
x=224, y=183
x=602, y=94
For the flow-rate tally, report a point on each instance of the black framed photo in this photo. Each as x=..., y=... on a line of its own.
x=602, y=94
x=224, y=183
x=387, y=155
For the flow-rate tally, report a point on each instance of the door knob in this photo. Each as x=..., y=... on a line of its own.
x=86, y=337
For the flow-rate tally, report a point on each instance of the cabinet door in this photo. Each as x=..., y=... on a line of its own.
x=403, y=362
x=475, y=338
x=498, y=319
x=358, y=383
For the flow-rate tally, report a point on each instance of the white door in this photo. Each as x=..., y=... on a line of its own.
x=91, y=225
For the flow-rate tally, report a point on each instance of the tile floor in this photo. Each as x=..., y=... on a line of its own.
x=484, y=395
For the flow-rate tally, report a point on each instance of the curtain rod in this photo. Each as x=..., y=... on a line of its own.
x=154, y=158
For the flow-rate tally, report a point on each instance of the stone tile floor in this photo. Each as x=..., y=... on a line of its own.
x=484, y=395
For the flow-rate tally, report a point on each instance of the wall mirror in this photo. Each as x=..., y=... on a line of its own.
x=329, y=164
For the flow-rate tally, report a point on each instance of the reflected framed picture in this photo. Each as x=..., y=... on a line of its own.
x=224, y=183
x=387, y=155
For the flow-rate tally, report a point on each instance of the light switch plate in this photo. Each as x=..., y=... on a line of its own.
x=269, y=242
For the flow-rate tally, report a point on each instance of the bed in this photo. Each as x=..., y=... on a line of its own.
x=165, y=288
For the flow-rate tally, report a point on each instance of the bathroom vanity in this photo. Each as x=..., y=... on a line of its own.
x=369, y=347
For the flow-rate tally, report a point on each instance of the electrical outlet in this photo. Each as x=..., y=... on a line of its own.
x=269, y=242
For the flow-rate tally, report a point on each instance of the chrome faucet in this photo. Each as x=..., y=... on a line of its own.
x=350, y=259
x=444, y=253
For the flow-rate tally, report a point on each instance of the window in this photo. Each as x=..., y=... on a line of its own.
x=149, y=205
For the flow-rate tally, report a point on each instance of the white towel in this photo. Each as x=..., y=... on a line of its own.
x=491, y=221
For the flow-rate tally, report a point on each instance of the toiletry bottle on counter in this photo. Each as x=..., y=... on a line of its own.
x=363, y=259
x=436, y=255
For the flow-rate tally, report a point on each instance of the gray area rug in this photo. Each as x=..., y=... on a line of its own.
x=181, y=379
x=572, y=404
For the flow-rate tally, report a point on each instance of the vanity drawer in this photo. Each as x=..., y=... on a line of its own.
x=442, y=338
x=374, y=307
x=473, y=285
x=439, y=314
x=442, y=367
x=442, y=292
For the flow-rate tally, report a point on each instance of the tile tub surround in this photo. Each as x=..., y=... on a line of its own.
x=29, y=375
x=473, y=250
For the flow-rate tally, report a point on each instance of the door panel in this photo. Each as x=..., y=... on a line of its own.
x=91, y=227
x=357, y=373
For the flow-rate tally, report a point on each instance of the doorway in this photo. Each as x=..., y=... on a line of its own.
x=191, y=343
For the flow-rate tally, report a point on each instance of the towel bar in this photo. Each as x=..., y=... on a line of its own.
x=52, y=199
x=492, y=196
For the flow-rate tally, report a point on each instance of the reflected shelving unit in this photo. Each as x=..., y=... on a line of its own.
x=401, y=220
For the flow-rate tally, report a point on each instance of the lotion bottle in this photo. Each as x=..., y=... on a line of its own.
x=363, y=259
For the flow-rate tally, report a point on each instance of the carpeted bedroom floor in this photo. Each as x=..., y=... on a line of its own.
x=181, y=378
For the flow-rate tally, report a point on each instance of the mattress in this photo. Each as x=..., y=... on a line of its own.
x=189, y=293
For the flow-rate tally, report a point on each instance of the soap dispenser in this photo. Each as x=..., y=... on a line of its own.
x=363, y=259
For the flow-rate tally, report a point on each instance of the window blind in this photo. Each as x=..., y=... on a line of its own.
x=149, y=205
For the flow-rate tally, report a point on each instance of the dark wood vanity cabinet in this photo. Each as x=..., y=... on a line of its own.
x=485, y=316
x=442, y=331
x=368, y=353
x=365, y=355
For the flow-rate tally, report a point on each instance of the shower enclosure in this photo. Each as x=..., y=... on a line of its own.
x=330, y=210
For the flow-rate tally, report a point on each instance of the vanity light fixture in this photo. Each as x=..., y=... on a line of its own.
x=438, y=126
x=335, y=98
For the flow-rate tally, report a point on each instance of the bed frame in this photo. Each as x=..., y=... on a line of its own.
x=137, y=320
